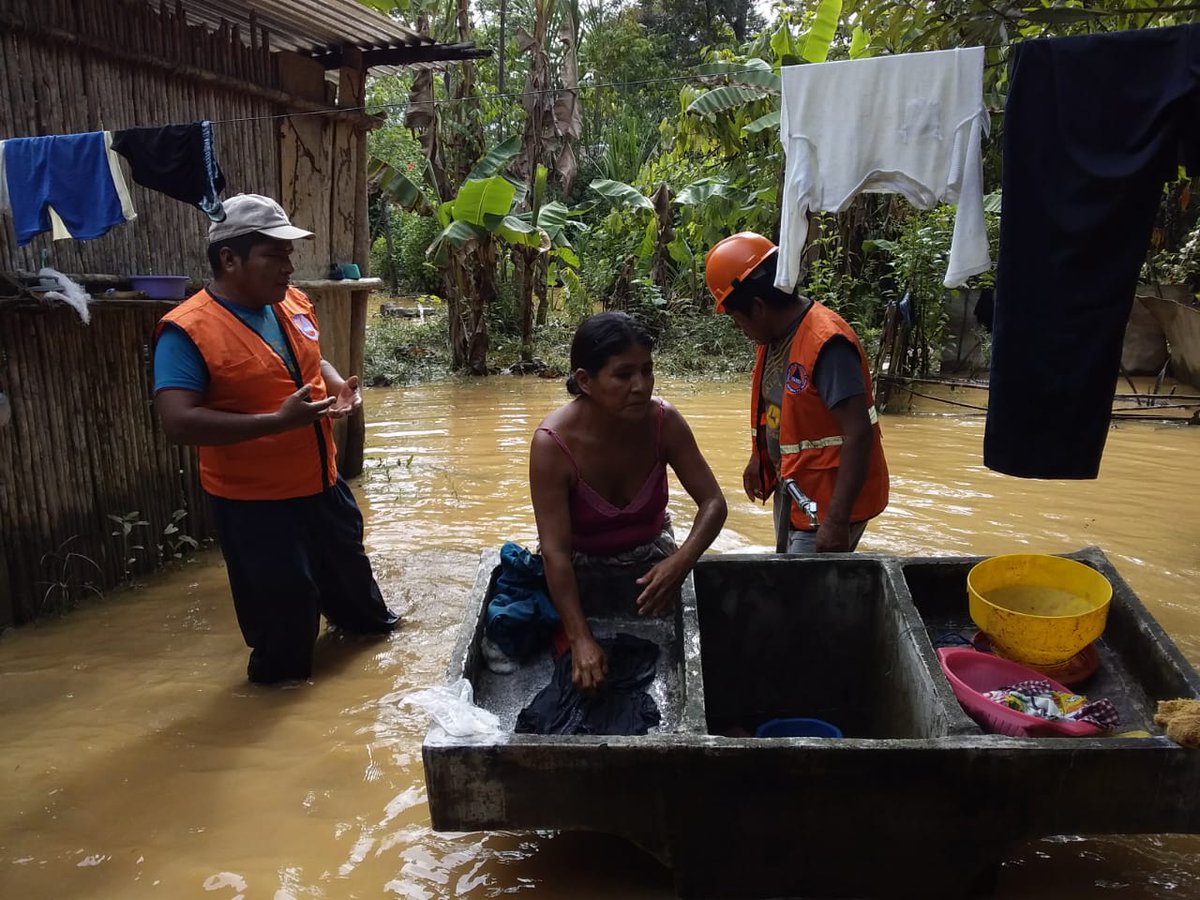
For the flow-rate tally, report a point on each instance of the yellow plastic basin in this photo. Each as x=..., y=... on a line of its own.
x=1038, y=610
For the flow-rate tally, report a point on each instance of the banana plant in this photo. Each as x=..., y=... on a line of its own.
x=660, y=227
x=754, y=79
x=479, y=217
x=399, y=188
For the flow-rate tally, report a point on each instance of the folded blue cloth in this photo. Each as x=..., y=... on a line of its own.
x=520, y=616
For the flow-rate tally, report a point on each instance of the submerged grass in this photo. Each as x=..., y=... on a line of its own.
x=404, y=351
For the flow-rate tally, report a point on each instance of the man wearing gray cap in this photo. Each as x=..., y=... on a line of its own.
x=238, y=373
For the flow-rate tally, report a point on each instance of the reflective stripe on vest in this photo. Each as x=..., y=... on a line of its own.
x=821, y=443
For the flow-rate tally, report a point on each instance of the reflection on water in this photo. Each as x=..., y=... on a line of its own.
x=135, y=761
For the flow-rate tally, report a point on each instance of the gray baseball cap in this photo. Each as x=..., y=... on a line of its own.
x=245, y=213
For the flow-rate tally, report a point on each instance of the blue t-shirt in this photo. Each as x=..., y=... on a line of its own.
x=178, y=363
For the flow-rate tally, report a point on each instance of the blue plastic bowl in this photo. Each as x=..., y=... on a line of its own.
x=798, y=728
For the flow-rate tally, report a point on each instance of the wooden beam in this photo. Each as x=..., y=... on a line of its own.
x=407, y=56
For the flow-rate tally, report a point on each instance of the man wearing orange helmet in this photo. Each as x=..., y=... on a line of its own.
x=816, y=432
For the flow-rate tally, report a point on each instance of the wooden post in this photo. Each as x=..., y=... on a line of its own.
x=7, y=613
x=350, y=235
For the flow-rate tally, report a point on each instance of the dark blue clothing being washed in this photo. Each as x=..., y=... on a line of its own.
x=520, y=616
x=1093, y=127
x=69, y=172
x=620, y=706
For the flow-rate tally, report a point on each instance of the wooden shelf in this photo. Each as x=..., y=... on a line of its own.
x=344, y=284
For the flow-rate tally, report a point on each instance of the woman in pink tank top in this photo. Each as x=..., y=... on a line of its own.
x=598, y=479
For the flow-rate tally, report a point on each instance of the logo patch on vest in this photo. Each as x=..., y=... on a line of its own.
x=305, y=326
x=772, y=417
x=797, y=378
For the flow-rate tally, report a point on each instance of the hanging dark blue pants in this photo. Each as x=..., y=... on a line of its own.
x=1093, y=127
x=289, y=562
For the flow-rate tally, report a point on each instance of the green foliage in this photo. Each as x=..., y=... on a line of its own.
x=712, y=140
x=606, y=247
x=707, y=345
x=1174, y=255
x=917, y=256
x=126, y=526
x=175, y=544
x=68, y=579
x=845, y=283
x=406, y=351
x=407, y=266
x=504, y=312
x=1181, y=266
x=689, y=27
x=618, y=193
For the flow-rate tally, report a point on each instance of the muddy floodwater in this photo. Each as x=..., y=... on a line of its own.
x=136, y=762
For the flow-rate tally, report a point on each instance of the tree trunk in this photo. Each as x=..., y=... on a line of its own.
x=393, y=275
x=483, y=294
x=455, y=280
x=541, y=289
x=527, y=276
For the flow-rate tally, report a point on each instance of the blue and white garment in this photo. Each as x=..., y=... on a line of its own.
x=69, y=184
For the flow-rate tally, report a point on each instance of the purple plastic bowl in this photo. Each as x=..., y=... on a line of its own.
x=160, y=287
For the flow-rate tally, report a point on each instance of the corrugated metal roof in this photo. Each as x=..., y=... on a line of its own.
x=307, y=26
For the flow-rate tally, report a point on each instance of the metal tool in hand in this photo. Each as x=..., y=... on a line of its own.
x=806, y=504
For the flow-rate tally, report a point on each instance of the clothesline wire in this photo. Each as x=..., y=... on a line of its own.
x=599, y=85
x=497, y=96
x=401, y=105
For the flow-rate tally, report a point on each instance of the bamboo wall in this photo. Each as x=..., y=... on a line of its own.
x=50, y=86
x=83, y=443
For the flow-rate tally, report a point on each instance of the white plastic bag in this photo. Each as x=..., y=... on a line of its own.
x=454, y=712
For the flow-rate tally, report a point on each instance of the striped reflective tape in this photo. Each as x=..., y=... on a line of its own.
x=821, y=443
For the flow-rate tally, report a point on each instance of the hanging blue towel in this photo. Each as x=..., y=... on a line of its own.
x=71, y=173
x=520, y=616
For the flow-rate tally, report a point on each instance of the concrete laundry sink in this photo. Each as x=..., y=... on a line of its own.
x=914, y=800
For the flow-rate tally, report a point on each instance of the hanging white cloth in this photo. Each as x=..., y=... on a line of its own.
x=909, y=124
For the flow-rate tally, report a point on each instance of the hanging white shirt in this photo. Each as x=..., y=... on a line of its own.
x=909, y=124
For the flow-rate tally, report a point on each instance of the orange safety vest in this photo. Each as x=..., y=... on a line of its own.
x=247, y=376
x=810, y=439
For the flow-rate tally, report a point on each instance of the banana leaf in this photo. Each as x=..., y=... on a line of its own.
x=859, y=43
x=552, y=218
x=763, y=123
x=618, y=192
x=728, y=96
x=513, y=230
x=494, y=161
x=822, y=32
x=478, y=198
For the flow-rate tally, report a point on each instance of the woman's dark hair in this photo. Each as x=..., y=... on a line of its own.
x=240, y=245
x=601, y=337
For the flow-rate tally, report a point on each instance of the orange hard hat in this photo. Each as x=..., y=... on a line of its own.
x=731, y=260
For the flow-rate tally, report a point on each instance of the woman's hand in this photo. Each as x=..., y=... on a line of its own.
x=589, y=667
x=661, y=586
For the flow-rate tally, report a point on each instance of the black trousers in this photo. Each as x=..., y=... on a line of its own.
x=1093, y=127
x=289, y=562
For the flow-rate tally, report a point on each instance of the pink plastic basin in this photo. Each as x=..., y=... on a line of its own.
x=971, y=673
